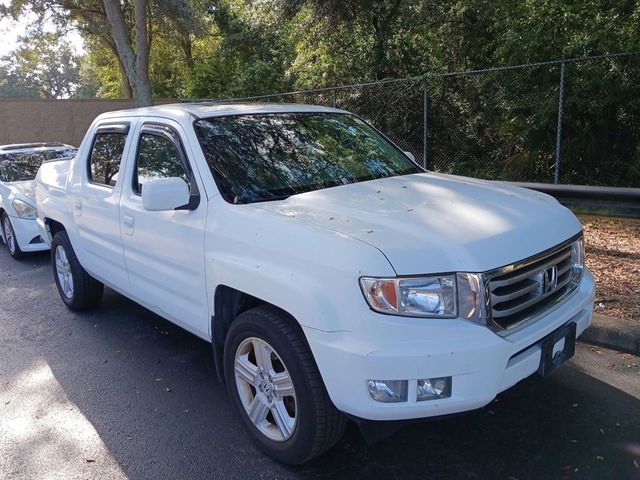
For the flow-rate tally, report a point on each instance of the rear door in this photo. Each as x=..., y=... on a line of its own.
x=96, y=204
x=164, y=251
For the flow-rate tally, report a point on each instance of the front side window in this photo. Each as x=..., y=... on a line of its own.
x=105, y=158
x=263, y=157
x=23, y=166
x=158, y=157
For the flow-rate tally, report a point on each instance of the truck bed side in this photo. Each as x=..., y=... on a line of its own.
x=51, y=194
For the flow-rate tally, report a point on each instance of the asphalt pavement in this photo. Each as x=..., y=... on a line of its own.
x=121, y=393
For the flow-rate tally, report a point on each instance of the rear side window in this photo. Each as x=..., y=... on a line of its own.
x=158, y=157
x=106, y=155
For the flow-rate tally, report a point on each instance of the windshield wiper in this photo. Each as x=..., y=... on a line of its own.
x=276, y=198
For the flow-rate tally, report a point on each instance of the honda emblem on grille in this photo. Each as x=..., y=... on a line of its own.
x=549, y=279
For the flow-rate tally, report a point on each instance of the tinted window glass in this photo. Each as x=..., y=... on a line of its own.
x=157, y=158
x=271, y=156
x=105, y=157
x=22, y=166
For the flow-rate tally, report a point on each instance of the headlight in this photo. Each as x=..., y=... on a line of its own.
x=24, y=210
x=412, y=297
x=577, y=259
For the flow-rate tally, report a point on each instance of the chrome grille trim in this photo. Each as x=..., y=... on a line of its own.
x=514, y=293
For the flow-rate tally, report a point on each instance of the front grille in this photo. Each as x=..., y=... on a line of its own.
x=521, y=291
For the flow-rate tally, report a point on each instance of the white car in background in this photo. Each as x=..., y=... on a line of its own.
x=18, y=167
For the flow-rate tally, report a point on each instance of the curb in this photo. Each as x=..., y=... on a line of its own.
x=616, y=333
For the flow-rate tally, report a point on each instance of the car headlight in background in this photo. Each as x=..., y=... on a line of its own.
x=433, y=296
x=24, y=210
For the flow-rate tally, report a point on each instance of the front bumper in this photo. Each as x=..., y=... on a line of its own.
x=480, y=362
x=28, y=235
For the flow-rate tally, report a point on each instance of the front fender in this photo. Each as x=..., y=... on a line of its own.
x=307, y=270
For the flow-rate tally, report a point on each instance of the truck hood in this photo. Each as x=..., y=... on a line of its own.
x=433, y=223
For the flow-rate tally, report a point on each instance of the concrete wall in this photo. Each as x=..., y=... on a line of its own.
x=24, y=120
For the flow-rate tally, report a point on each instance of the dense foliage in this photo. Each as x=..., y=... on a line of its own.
x=43, y=65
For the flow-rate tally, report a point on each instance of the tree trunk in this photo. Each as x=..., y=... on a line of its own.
x=382, y=23
x=125, y=86
x=187, y=49
x=379, y=50
x=135, y=63
x=142, y=86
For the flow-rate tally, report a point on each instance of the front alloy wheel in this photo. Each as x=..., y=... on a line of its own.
x=276, y=387
x=265, y=389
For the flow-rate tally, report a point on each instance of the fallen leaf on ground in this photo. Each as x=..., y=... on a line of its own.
x=612, y=253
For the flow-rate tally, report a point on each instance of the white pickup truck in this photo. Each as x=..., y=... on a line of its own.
x=334, y=277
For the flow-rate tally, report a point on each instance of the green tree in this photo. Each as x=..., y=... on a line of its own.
x=379, y=18
x=43, y=65
x=249, y=53
x=124, y=28
x=12, y=84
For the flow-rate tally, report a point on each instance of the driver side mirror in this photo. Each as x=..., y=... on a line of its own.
x=410, y=155
x=164, y=194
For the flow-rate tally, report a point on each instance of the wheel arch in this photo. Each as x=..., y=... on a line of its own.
x=228, y=304
x=53, y=227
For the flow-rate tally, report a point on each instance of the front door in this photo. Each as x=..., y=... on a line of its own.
x=164, y=251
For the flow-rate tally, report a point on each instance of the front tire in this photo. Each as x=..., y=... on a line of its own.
x=274, y=383
x=10, y=237
x=78, y=289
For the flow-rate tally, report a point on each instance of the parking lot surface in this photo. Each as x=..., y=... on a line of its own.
x=121, y=393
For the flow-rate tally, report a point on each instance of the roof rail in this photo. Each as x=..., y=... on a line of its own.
x=27, y=146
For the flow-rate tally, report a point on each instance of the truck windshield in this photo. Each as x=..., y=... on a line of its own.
x=23, y=166
x=264, y=157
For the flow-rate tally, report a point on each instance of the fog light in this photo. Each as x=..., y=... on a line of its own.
x=434, y=388
x=388, y=391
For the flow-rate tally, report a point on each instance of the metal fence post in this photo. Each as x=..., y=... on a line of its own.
x=425, y=126
x=333, y=96
x=556, y=175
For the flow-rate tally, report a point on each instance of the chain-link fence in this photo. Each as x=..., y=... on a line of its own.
x=569, y=121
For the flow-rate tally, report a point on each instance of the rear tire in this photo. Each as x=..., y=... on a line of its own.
x=10, y=237
x=294, y=419
x=78, y=289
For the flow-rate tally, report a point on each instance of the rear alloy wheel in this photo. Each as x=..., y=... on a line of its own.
x=10, y=238
x=78, y=289
x=276, y=387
